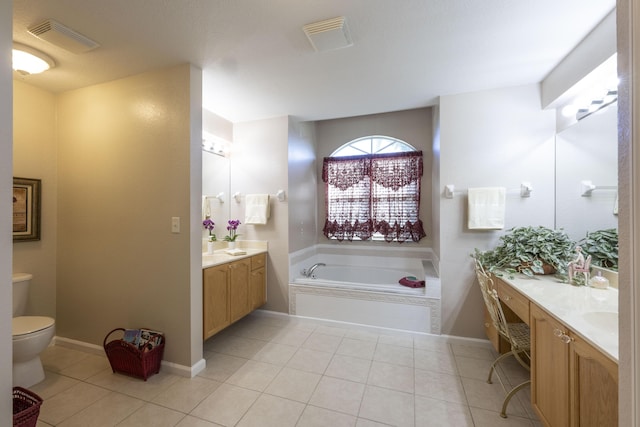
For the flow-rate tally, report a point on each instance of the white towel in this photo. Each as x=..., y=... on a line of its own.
x=256, y=209
x=486, y=208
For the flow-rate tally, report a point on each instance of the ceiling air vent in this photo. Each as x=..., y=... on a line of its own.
x=329, y=34
x=59, y=35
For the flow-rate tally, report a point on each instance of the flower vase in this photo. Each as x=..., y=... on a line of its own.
x=232, y=245
x=209, y=247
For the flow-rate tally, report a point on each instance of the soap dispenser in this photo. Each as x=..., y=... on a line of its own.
x=599, y=281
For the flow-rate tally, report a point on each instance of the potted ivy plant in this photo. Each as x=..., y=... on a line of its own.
x=529, y=250
x=602, y=245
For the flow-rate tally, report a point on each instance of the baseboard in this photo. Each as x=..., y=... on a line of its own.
x=168, y=367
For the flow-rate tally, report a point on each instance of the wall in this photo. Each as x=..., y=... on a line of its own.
x=259, y=165
x=6, y=186
x=411, y=126
x=35, y=156
x=303, y=199
x=509, y=124
x=125, y=160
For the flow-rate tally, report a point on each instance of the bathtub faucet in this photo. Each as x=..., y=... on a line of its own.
x=309, y=272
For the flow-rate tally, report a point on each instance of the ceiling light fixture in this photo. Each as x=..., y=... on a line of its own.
x=27, y=60
x=329, y=34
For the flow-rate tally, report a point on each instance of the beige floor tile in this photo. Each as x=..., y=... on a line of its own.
x=322, y=342
x=394, y=354
x=276, y=354
x=237, y=346
x=490, y=397
x=190, y=421
x=254, y=375
x=258, y=331
x=291, y=336
x=147, y=390
x=362, y=335
x=438, y=413
x=69, y=402
x=294, y=384
x=272, y=411
x=470, y=367
x=400, y=378
x=349, y=368
x=107, y=411
x=320, y=417
x=53, y=384
x=431, y=343
x=310, y=360
x=186, y=393
x=87, y=367
x=357, y=348
x=437, y=385
x=474, y=351
x=485, y=418
x=56, y=358
x=361, y=422
x=150, y=415
x=398, y=338
x=388, y=406
x=435, y=361
x=338, y=395
x=331, y=330
x=226, y=405
x=221, y=366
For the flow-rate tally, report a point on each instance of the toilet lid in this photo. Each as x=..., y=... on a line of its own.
x=23, y=325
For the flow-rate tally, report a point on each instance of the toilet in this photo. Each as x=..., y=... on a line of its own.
x=31, y=335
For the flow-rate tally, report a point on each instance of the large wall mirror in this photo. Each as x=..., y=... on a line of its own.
x=587, y=174
x=215, y=186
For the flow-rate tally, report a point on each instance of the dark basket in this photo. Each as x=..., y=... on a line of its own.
x=26, y=407
x=126, y=359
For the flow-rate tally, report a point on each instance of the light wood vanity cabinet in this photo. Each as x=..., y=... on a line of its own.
x=231, y=291
x=573, y=383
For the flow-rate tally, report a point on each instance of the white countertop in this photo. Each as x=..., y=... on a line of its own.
x=589, y=312
x=220, y=256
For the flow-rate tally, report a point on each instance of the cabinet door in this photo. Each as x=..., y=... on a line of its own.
x=215, y=300
x=239, y=301
x=594, y=386
x=258, y=288
x=549, y=369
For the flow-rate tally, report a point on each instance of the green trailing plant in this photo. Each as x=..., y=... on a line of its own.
x=602, y=245
x=529, y=250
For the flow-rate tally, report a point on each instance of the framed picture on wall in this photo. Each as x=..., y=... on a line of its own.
x=26, y=209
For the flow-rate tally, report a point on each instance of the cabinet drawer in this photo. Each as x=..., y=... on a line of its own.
x=517, y=302
x=258, y=261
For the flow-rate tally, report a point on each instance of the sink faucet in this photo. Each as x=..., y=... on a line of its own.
x=309, y=272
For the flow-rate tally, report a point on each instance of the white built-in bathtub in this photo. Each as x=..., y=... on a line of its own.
x=362, y=287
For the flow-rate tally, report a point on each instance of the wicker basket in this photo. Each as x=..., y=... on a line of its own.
x=126, y=359
x=26, y=407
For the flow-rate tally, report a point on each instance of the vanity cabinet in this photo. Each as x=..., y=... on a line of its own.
x=572, y=383
x=230, y=291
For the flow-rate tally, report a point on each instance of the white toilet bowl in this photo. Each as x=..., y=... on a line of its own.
x=31, y=335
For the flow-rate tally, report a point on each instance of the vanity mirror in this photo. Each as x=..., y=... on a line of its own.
x=215, y=186
x=587, y=174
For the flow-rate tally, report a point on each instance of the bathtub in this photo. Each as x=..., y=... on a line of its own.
x=362, y=288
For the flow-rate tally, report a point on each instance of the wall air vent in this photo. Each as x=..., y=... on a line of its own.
x=64, y=37
x=329, y=34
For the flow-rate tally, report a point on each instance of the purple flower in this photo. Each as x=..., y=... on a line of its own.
x=208, y=224
x=232, y=227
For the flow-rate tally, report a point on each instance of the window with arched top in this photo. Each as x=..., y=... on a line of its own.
x=372, y=191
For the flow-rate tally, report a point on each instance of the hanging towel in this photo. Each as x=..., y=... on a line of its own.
x=486, y=208
x=256, y=209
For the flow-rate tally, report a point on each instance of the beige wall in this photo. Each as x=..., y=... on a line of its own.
x=303, y=200
x=411, y=126
x=35, y=156
x=491, y=138
x=5, y=211
x=259, y=165
x=124, y=171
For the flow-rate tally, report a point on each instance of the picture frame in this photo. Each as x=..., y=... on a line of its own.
x=26, y=209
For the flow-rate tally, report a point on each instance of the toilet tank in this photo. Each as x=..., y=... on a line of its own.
x=21, y=283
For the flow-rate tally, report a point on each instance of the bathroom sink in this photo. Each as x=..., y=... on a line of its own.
x=606, y=320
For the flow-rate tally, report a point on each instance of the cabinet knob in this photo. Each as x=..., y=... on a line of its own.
x=487, y=324
x=506, y=298
x=566, y=339
x=558, y=333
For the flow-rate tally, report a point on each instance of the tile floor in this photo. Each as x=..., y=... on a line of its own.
x=269, y=370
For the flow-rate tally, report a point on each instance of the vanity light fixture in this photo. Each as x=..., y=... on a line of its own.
x=215, y=145
x=27, y=60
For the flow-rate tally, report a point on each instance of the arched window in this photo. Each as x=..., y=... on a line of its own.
x=372, y=190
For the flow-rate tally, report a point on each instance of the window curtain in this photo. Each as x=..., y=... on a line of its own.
x=373, y=194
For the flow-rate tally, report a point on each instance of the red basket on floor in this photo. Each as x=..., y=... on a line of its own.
x=126, y=359
x=26, y=407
